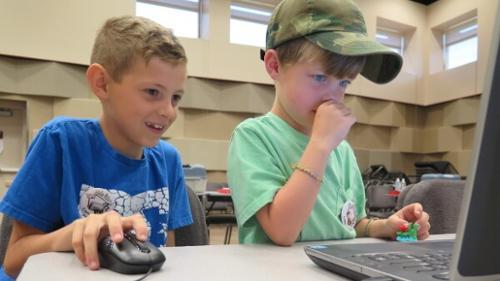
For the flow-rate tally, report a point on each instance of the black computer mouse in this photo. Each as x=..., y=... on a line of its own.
x=131, y=256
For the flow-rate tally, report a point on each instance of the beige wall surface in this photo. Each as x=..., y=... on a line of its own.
x=53, y=29
x=440, y=15
x=42, y=78
x=5, y=181
x=14, y=134
x=64, y=31
x=407, y=120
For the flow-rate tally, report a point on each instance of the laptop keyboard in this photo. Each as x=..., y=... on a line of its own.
x=435, y=263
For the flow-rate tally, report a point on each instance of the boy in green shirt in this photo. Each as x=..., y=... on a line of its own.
x=293, y=177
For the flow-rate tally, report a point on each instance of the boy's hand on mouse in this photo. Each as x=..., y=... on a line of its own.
x=332, y=122
x=410, y=213
x=87, y=232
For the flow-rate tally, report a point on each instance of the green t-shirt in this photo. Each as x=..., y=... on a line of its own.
x=260, y=159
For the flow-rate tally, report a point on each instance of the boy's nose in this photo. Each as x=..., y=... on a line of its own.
x=337, y=94
x=168, y=110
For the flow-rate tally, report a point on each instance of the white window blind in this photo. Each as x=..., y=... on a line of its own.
x=391, y=38
x=460, y=44
x=248, y=24
x=182, y=16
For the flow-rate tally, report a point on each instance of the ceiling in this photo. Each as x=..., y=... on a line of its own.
x=425, y=2
x=275, y=2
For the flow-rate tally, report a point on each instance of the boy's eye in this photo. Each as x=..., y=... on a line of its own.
x=319, y=78
x=344, y=83
x=176, y=99
x=153, y=92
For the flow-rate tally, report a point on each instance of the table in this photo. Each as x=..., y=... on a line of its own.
x=213, y=262
x=228, y=218
x=214, y=197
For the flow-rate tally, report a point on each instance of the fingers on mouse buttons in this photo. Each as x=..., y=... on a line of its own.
x=105, y=242
x=155, y=258
x=105, y=248
x=141, y=246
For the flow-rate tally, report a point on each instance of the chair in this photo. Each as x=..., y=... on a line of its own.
x=196, y=233
x=435, y=168
x=5, y=231
x=378, y=202
x=441, y=199
x=227, y=219
x=219, y=210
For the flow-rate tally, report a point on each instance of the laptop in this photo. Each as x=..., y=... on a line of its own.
x=474, y=254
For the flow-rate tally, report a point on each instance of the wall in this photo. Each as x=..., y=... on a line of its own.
x=14, y=140
x=387, y=132
x=55, y=30
x=64, y=31
x=462, y=81
x=401, y=122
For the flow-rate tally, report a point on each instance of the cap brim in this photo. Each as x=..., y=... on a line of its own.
x=262, y=54
x=382, y=64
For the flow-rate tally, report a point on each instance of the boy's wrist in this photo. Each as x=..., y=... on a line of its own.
x=321, y=145
x=366, y=230
x=378, y=229
x=308, y=172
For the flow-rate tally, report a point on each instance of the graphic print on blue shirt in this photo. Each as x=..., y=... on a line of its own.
x=70, y=157
x=152, y=204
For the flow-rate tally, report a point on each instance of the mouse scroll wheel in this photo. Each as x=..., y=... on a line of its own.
x=142, y=247
x=108, y=243
x=138, y=244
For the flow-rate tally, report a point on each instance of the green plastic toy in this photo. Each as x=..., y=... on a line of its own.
x=408, y=233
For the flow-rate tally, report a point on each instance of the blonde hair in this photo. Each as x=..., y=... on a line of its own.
x=302, y=50
x=123, y=40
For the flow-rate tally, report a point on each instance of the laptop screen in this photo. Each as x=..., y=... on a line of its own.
x=480, y=249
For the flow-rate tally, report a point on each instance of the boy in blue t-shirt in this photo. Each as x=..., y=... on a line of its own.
x=85, y=178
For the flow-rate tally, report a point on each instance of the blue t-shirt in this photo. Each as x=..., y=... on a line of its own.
x=71, y=171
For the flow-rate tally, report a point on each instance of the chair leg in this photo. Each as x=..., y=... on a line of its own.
x=226, y=234
x=230, y=232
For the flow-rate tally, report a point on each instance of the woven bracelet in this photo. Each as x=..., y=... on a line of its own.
x=366, y=232
x=308, y=172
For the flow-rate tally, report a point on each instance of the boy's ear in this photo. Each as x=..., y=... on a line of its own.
x=272, y=63
x=98, y=78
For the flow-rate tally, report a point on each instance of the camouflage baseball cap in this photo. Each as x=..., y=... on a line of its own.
x=334, y=25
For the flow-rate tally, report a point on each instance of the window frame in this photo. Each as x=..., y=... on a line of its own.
x=176, y=4
x=453, y=32
x=248, y=16
x=388, y=32
x=185, y=5
x=262, y=16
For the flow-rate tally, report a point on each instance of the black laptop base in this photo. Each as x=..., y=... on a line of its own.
x=353, y=275
x=423, y=260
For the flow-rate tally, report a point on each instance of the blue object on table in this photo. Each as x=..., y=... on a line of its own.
x=196, y=177
x=440, y=176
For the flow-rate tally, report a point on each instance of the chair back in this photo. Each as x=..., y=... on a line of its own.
x=377, y=197
x=5, y=231
x=196, y=233
x=379, y=203
x=441, y=199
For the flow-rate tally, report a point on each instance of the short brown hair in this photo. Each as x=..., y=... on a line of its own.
x=301, y=50
x=123, y=40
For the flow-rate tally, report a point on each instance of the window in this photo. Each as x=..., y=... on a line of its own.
x=391, y=38
x=460, y=44
x=248, y=24
x=182, y=16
